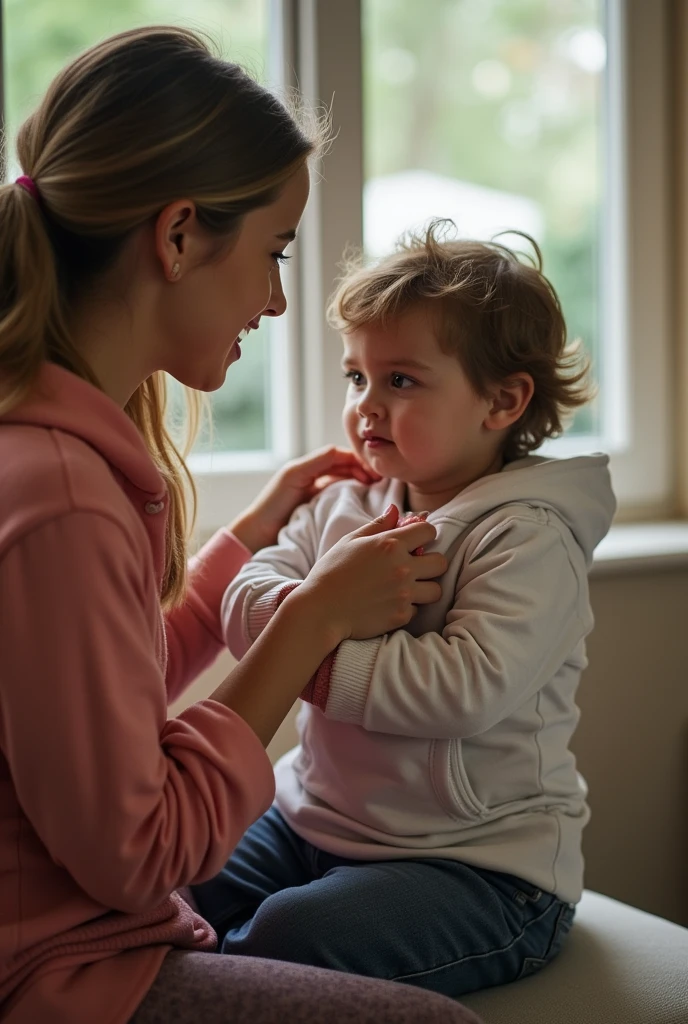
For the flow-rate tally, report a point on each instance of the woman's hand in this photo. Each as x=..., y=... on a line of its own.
x=371, y=581
x=297, y=482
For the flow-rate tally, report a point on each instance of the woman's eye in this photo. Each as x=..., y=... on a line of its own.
x=279, y=257
x=400, y=381
x=354, y=377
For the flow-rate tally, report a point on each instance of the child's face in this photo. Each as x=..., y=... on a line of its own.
x=410, y=411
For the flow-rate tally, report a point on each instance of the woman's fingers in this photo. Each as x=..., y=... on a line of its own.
x=417, y=535
x=429, y=567
x=425, y=592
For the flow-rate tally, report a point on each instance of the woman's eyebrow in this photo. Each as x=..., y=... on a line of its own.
x=288, y=236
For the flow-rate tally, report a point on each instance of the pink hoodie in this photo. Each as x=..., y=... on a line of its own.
x=106, y=807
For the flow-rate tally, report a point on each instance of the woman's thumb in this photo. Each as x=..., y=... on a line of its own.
x=387, y=521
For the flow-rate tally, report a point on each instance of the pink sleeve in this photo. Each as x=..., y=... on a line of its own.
x=132, y=805
x=194, y=631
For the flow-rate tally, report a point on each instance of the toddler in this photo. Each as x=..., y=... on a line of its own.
x=428, y=827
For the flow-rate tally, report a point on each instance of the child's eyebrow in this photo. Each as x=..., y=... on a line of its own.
x=395, y=364
x=407, y=364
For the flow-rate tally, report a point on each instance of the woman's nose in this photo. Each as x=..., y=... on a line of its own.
x=277, y=304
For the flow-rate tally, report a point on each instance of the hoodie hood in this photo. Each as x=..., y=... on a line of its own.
x=578, y=490
x=62, y=401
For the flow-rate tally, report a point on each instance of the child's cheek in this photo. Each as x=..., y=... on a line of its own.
x=349, y=422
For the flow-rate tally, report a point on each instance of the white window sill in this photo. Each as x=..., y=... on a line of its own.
x=642, y=547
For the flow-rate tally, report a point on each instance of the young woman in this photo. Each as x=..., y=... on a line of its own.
x=160, y=186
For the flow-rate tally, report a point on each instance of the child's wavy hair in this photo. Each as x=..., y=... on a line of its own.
x=135, y=122
x=498, y=314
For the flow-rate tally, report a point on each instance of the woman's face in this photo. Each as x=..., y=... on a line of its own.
x=211, y=301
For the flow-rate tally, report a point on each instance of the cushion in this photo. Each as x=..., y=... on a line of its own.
x=619, y=965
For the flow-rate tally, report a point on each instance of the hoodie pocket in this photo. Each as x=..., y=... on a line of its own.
x=450, y=782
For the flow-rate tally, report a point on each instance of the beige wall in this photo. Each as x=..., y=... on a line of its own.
x=632, y=743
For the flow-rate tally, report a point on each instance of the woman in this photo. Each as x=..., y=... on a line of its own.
x=159, y=188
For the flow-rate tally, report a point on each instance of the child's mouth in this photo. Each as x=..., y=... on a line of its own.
x=373, y=441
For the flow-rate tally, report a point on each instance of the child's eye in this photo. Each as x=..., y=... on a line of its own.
x=279, y=257
x=400, y=381
x=355, y=377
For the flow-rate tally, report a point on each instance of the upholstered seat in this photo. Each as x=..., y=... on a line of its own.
x=619, y=966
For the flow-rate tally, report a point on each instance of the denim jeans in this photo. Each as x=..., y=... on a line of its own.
x=432, y=922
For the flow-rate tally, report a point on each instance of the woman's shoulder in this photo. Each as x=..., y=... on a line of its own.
x=46, y=473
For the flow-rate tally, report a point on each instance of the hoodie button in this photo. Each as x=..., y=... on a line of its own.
x=153, y=507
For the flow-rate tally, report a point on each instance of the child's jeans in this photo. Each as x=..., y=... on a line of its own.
x=435, y=923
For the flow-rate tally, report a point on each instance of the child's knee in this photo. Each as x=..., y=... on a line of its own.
x=293, y=925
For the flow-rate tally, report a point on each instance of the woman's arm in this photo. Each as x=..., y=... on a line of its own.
x=255, y=593
x=131, y=804
x=194, y=631
x=368, y=583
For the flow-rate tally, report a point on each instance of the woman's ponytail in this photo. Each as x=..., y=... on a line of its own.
x=30, y=312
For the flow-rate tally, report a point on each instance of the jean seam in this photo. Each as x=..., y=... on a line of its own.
x=480, y=956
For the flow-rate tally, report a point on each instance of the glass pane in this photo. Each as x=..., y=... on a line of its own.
x=40, y=36
x=489, y=112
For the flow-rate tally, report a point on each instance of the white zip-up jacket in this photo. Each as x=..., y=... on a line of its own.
x=450, y=738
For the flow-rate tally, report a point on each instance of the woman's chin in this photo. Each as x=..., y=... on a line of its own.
x=234, y=354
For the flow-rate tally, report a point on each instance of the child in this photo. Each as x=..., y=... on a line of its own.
x=428, y=827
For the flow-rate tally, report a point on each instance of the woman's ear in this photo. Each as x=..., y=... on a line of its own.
x=508, y=401
x=176, y=238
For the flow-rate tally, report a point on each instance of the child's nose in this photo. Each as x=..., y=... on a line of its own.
x=369, y=405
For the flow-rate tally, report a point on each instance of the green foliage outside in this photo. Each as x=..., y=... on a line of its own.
x=42, y=35
x=503, y=94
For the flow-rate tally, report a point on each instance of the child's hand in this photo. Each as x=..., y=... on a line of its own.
x=297, y=482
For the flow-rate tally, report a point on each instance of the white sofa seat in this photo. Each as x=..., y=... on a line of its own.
x=619, y=965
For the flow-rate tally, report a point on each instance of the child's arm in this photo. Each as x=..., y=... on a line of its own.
x=255, y=594
x=519, y=612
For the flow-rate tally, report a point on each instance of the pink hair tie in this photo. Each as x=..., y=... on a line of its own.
x=29, y=185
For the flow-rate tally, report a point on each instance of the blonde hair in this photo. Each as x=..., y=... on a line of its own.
x=498, y=314
x=141, y=119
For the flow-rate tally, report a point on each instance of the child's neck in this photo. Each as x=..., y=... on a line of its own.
x=430, y=495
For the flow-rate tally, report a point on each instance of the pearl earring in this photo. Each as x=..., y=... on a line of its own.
x=175, y=270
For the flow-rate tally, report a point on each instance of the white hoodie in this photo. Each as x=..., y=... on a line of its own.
x=449, y=738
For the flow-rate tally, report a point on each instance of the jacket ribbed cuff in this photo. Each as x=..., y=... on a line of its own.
x=318, y=689
x=350, y=679
x=263, y=608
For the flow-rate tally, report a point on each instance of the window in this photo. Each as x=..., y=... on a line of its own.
x=489, y=114
x=545, y=115
x=555, y=111
x=40, y=36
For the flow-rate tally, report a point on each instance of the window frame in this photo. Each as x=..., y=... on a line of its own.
x=636, y=283
x=322, y=46
x=317, y=48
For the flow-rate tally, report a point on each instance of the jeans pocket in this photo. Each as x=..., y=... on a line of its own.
x=547, y=936
x=562, y=927
x=531, y=965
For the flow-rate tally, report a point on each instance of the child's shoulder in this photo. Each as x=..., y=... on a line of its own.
x=574, y=496
x=346, y=496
